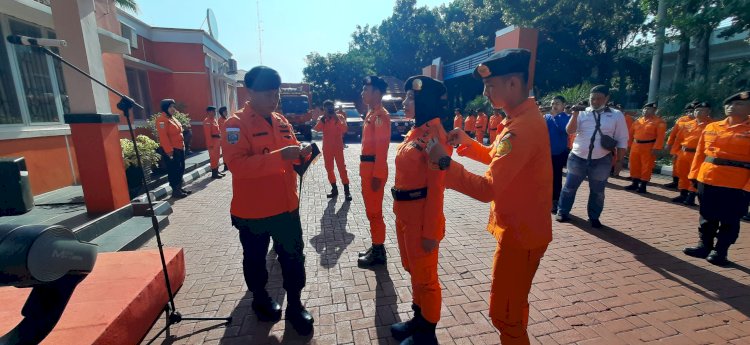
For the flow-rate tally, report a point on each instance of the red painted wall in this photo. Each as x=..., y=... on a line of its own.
x=46, y=160
x=521, y=38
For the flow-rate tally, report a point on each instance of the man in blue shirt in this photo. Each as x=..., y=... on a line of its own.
x=557, y=120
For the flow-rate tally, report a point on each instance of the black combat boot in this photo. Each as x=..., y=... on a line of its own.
x=642, y=187
x=265, y=307
x=347, y=194
x=633, y=185
x=215, y=174
x=681, y=198
x=376, y=256
x=718, y=256
x=403, y=330
x=672, y=184
x=365, y=253
x=690, y=200
x=334, y=191
x=424, y=334
x=297, y=315
x=704, y=247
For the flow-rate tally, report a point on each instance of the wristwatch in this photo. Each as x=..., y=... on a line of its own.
x=444, y=163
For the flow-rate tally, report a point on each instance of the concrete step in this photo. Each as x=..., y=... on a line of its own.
x=99, y=226
x=129, y=235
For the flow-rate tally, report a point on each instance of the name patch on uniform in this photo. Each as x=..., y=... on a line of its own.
x=233, y=135
x=161, y=124
x=378, y=121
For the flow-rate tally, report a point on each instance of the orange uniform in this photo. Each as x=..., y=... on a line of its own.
x=722, y=152
x=686, y=141
x=422, y=216
x=648, y=134
x=458, y=121
x=223, y=129
x=333, y=130
x=674, y=145
x=481, y=126
x=629, y=123
x=470, y=123
x=212, y=133
x=252, y=152
x=495, y=126
x=518, y=186
x=170, y=134
x=376, y=136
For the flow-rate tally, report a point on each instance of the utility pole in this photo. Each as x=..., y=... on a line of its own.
x=260, y=33
x=656, y=61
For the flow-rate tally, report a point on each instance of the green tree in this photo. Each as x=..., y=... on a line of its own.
x=337, y=76
x=128, y=5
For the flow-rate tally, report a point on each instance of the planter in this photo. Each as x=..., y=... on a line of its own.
x=134, y=176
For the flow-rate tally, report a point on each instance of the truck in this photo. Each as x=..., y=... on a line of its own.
x=295, y=100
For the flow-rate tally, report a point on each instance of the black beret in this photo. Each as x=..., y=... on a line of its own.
x=702, y=105
x=210, y=108
x=222, y=110
x=560, y=98
x=650, y=105
x=603, y=89
x=376, y=82
x=506, y=61
x=327, y=103
x=689, y=106
x=740, y=96
x=262, y=78
x=165, y=103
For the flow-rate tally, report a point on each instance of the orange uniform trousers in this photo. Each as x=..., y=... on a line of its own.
x=421, y=265
x=329, y=156
x=214, y=151
x=642, y=161
x=373, y=203
x=509, y=299
x=682, y=170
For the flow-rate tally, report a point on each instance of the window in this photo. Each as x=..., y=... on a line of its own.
x=129, y=33
x=139, y=91
x=32, y=89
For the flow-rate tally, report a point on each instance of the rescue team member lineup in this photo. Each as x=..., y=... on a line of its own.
x=260, y=149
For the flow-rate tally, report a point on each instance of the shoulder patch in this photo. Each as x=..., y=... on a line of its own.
x=162, y=125
x=504, y=145
x=233, y=135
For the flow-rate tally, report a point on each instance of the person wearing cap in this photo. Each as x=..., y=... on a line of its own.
x=495, y=125
x=470, y=124
x=418, y=205
x=721, y=171
x=557, y=121
x=172, y=145
x=481, y=126
x=223, y=115
x=333, y=126
x=674, y=148
x=458, y=119
x=686, y=139
x=373, y=167
x=648, y=139
x=518, y=186
x=261, y=150
x=212, y=133
x=601, y=132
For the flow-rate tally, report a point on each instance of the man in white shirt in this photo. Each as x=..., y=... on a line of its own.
x=589, y=158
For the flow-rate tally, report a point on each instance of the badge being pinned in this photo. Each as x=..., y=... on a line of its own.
x=504, y=146
x=233, y=135
x=161, y=124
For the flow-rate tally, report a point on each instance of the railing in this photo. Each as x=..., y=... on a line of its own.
x=466, y=65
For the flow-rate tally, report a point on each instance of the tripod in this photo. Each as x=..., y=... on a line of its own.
x=125, y=105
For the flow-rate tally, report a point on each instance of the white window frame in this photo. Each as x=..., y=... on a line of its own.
x=15, y=72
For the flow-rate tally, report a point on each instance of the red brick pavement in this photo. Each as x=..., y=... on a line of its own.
x=627, y=283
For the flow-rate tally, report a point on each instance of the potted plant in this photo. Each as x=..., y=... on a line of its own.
x=187, y=131
x=149, y=157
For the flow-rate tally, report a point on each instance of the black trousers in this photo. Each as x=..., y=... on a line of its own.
x=175, y=169
x=286, y=231
x=558, y=163
x=720, y=212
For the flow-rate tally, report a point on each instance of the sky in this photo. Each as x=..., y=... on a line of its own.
x=291, y=29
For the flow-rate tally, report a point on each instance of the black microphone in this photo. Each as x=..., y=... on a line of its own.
x=36, y=42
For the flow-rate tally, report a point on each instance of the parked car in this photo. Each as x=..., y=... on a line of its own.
x=400, y=125
x=354, y=120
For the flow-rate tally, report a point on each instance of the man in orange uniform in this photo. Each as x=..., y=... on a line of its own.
x=172, y=145
x=373, y=167
x=212, y=133
x=333, y=126
x=458, y=119
x=261, y=150
x=686, y=141
x=518, y=186
x=223, y=129
x=721, y=171
x=481, y=126
x=470, y=124
x=418, y=206
x=674, y=147
x=495, y=125
x=648, y=139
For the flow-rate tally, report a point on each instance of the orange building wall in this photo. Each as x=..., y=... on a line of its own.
x=521, y=38
x=46, y=160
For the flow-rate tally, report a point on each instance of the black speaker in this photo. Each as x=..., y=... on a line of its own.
x=14, y=182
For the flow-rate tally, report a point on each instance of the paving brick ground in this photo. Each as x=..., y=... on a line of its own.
x=627, y=283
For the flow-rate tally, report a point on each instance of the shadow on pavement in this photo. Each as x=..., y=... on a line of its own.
x=386, y=305
x=671, y=267
x=333, y=238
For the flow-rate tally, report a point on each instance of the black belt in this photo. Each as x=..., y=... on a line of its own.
x=216, y=136
x=687, y=149
x=493, y=129
x=409, y=195
x=727, y=162
x=645, y=141
x=366, y=158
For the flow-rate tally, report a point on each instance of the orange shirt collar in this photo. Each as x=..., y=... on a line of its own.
x=521, y=109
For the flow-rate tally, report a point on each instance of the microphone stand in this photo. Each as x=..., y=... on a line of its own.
x=125, y=105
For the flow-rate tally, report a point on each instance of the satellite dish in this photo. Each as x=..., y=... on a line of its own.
x=213, y=28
